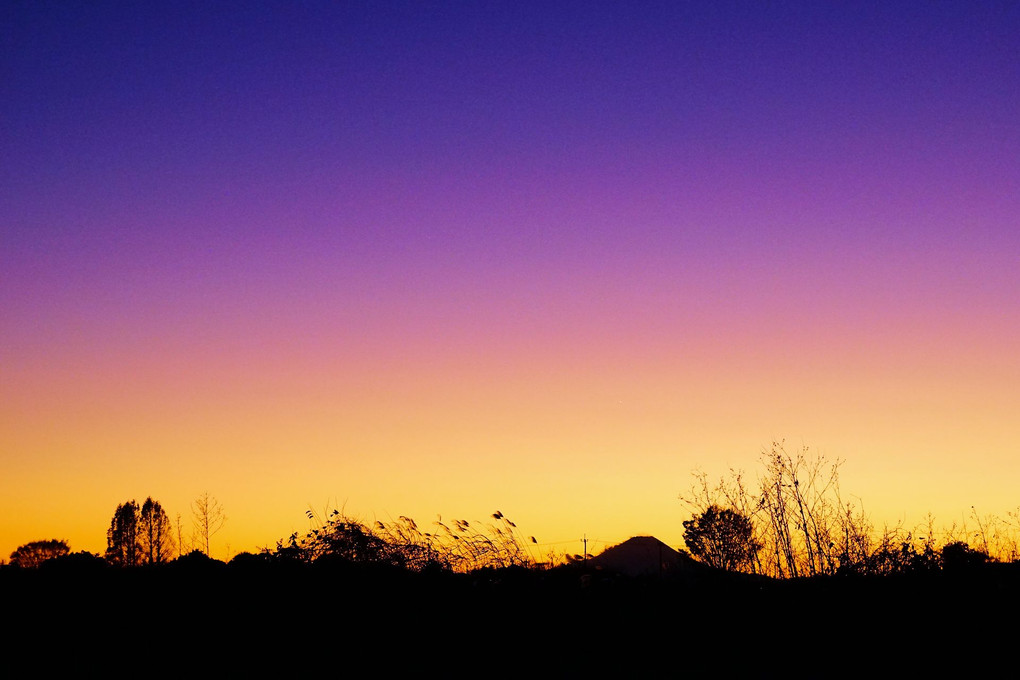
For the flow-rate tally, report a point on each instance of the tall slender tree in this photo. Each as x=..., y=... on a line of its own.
x=122, y=541
x=208, y=518
x=182, y=547
x=155, y=535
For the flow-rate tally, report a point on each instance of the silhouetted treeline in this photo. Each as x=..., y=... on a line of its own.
x=475, y=598
x=264, y=612
x=387, y=599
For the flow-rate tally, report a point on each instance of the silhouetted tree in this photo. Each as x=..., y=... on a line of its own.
x=721, y=538
x=182, y=547
x=155, y=535
x=123, y=547
x=33, y=554
x=208, y=518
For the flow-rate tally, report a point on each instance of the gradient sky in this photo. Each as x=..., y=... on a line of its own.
x=453, y=257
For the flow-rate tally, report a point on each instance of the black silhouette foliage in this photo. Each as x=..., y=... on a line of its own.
x=721, y=538
x=123, y=546
x=461, y=547
x=33, y=554
x=155, y=535
x=958, y=556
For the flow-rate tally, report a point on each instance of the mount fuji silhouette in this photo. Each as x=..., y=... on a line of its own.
x=643, y=556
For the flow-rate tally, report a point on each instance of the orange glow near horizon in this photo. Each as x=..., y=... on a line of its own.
x=565, y=443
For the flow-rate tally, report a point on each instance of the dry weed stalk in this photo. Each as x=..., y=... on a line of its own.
x=806, y=528
x=462, y=547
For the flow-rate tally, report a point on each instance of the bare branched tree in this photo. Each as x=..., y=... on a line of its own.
x=182, y=546
x=799, y=520
x=207, y=515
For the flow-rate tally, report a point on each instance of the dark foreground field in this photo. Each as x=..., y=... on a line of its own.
x=331, y=620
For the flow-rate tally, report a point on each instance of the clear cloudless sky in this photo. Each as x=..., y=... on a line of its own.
x=420, y=258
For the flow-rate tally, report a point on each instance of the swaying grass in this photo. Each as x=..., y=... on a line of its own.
x=459, y=546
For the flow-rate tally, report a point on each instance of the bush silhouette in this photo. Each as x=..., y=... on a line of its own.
x=958, y=556
x=721, y=538
x=459, y=546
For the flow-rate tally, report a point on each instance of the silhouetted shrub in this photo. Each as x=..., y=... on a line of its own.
x=721, y=538
x=461, y=547
x=77, y=562
x=958, y=556
x=196, y=561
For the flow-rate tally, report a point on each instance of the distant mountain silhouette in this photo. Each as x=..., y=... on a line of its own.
x=642, y=556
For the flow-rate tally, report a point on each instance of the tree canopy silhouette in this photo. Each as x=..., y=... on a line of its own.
x=122, y=541
x=155, y=534
x=33, y=554
x=721, y=538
